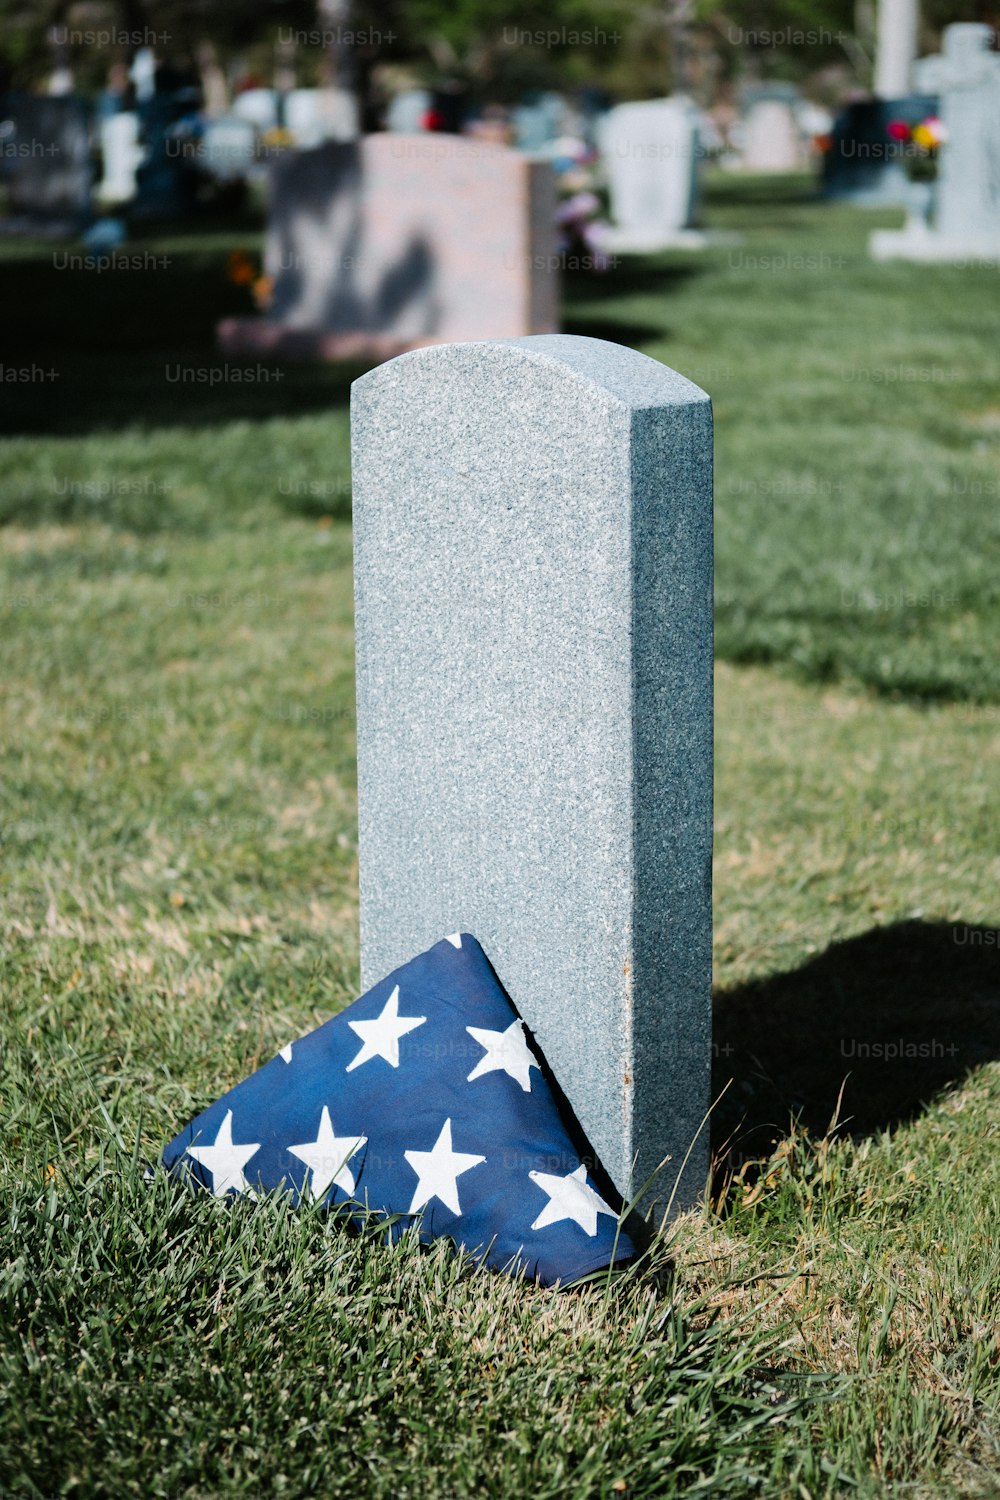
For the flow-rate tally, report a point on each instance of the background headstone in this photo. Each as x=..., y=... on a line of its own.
x=399, y=240
x=406, y=111
x=539, y=122
x=229, y=148
x=533, y=571
x=651, y=156
x=772, y=140
x=122, y=153
x=259, y=106
x=168, y=177
x=967, y=219
x=863, y=164
x=317, y=115
x=47, y=163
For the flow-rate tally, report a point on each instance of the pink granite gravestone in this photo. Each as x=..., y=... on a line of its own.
x=395, y=241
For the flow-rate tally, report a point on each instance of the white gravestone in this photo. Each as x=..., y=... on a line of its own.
x=966, y=225
x=229, y=148
x=259, y=106
x=317, y=115
x=122, y=155
x=651, y=155
x=533, y=576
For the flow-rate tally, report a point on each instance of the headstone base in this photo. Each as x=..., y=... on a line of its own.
x=268, y=338
x=890, y=189
x=638, y=242
x=38, y=227
x=927, y=247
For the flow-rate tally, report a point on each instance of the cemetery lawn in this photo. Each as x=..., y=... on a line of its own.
x=179, y=899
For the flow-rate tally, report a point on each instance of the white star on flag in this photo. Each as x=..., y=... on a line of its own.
x=381, y=1035
x=438, y=1171
x=506, y=1051
x=327, y=1157
x=570, y=1197
x=286, y=1052
x=225, y=1160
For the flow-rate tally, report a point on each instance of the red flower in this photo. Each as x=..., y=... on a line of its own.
x=898, y=130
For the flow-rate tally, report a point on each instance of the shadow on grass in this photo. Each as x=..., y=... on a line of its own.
x=597, y=306
x=192, y=387
x=763, y=190
x=135, y=347
x=900, y=1013
x=591, y=302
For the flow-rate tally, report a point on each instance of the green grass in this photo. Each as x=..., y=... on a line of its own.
x=178, y=826
x=857, y=406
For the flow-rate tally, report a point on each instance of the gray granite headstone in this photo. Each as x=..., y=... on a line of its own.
x=651, y=153
x=533, y=576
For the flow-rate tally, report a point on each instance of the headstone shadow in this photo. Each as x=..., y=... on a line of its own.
x=894, y=1016
x=589, y=300
x=322, y=262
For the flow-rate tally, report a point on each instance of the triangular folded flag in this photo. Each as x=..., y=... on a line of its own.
x=422, y=1099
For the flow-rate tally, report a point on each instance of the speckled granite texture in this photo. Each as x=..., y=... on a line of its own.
x=533, y=578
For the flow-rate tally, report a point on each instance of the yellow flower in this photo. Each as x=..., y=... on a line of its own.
x=263, y=290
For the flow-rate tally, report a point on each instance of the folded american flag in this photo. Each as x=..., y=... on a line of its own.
x=422, y=1099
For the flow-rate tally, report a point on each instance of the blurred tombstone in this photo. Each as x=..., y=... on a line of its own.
x=168, y=177
x=862, y=163
x=538, y=123
x=46, y=150
x=104, y=235
x=303, y=116
x=772, y=140
x=259, y=106
x=813, y=119
x=122, y=153
x=317, y=115
x=143, y=75
x=450, y=107
x=228, y=148
x=396, y=241
x=492, y=125
x=967, y=219
x=215, y=94
x=407, y=111
x=651, y=152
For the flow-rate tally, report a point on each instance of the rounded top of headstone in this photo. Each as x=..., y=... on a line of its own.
x=967, y=39
x=629, y=378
